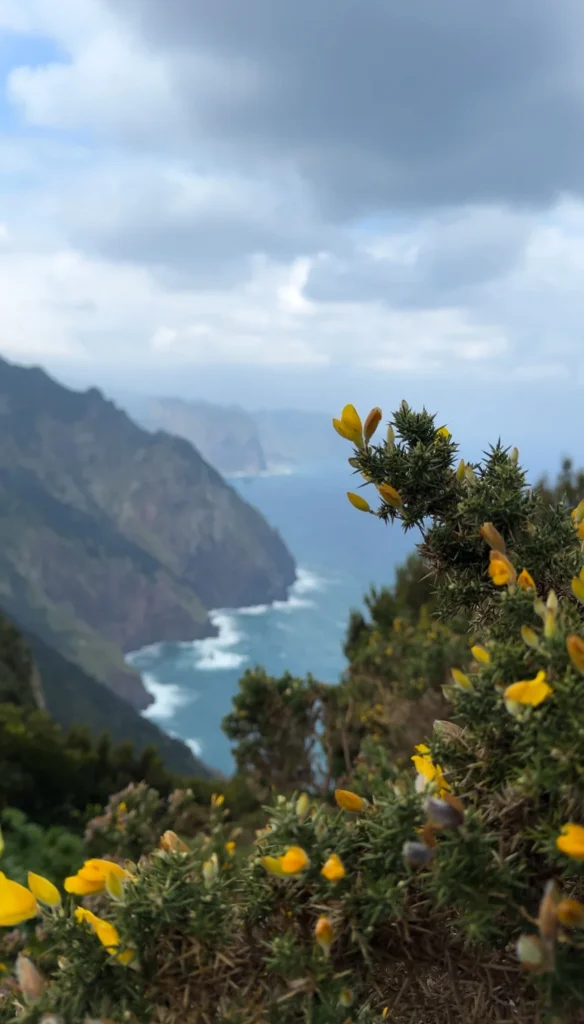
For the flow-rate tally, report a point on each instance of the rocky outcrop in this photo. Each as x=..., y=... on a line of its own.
x=114, y=537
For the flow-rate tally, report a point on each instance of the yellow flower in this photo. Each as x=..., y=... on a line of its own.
x=170, y=843
x=349, y=801
x=461, y=679
x=273, y=865
x=571, y=841
x=430, y=773
x=294, y=860
x=324, y=935
x=530, y=692
x=44, y=890
x=529, y=636
x=422, y=748
x=501, y=570
x=217, y=800
x=371, y=423
x=349, y=426
x=575, y=646
x=444, y=432
x=525, y=580
x=578, y=586
x=230, y=847
x=82, y=915
x=17, y=903
x=578, y=513
x=390, y=495
x=334, y=869
x=571, y=913
x=358, y=502
x=91, y=878
x=107, y=934
x=480, y=654
x=493, y=538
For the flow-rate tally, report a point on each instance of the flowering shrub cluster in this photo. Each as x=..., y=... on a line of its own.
x=447, y=888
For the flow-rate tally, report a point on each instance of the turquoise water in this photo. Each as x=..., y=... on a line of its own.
x=339, y=552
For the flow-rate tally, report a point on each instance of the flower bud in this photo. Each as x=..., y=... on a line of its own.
x=448, y=731
x=349, y=801
x=29, y=978
x=390, y=439
x=302, y=806
x=529, y=636
x=371, y=423
x=211, y=868
x=532, y=953
x=358, y=502
x=390, y=495
x=346, y=997
x=493, y=538
x=575, y=646
x=171, y=843
x=571, y=913
x=324, y=935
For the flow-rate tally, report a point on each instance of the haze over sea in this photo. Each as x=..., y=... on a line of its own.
x=339, y=553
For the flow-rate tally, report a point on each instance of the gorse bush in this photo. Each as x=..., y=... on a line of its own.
x=447, y=888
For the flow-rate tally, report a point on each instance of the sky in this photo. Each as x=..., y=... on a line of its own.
x=300, y=203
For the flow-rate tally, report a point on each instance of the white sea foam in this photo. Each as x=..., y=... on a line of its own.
x=292, y=603
x=307, y=581
x=168, y=698
x=214, y=652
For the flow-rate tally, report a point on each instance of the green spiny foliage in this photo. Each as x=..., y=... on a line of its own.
x=433, y=879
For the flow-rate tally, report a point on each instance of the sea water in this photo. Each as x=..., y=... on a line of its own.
x=340, y=553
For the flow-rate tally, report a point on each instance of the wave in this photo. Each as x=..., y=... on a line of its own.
x=168, y=698
x=214, y=652
x=307, y=581
x=254, y=609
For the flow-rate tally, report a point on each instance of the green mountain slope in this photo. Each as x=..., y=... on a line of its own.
x=111, y=537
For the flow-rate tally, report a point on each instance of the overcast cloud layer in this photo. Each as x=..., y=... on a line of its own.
x=346, y=187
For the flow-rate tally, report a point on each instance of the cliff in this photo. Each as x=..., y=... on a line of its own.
x=226, y=436
x=112, y=537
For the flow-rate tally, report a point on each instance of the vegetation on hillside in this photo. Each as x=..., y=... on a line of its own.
x=423, y=851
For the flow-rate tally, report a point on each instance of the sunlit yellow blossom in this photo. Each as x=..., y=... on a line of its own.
x=91, y=878
x=571, y=913
x=444, y=432
x=575, y=646
x=333, y=869
x=17, y=903
x=430, y=773
x=492, y=536
x=44, y=890
x=525, y=580
x=294, y=860
x=217, y=800
x=230, y=847
x=461, y=679
x=82, y=915
x=578, y=587
x=571, y=841
x=422, y=748
x=501, y=570
x=349, y=801
x=529, y=636
x=358, y=502
x=371, y=423
x=578, y=512
x=530, y=692
x=480, y=654
x=390, y=495
x=324, y=935
x=109, y=937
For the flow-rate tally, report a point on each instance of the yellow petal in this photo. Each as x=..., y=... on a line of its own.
x=333, y=869
x=578, y=512
x=294, y=861
x=114, y=886
x=371, y=423
x=230, y=848
x=575, y=646
x=349, y=801
x=107, y=934
x=346, y=432
x=272, y=865
x=578, y=588
x=358, y=502
x=461, y=679
x=44, y=890
x=529, y=636
x=84, y=916
x=350, y=419
x=422, y=748
x=525, y=580
x=492, y=536
x=390, y=495
x=480, y=654
x=571, y=841
x=499, y=572
x=17, y=903
x=530, y=692
x=78, y=886
x=444, y=432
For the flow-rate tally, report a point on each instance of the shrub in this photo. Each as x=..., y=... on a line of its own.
x=449, y=889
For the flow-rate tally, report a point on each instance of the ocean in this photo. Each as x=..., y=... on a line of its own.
x=339, y=551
